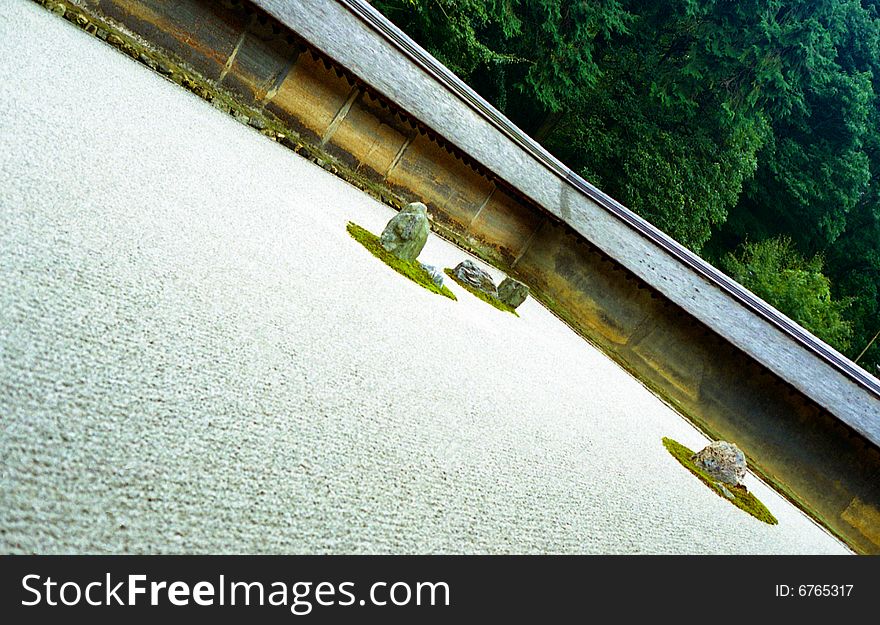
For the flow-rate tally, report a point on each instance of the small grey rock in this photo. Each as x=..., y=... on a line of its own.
x=407, y=232
x=512, y=292
x=725, y=491
x=435, y=273
x=257, y=122
x=470, y=274
x=723, y=461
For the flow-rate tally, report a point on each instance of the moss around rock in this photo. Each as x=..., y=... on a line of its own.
x=742, y=498
x=494, y=301
x=411, y=269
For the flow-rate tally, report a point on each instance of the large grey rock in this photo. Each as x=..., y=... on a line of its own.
x=512, y=292
x=470, y=274
x=723, y=461
x=435, y=273
x=406, y=233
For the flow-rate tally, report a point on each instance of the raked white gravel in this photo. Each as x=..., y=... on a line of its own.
x=195, y=357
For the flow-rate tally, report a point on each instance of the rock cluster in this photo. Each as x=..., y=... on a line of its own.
x=405, y=236
x=407, y=232
x=723, y=461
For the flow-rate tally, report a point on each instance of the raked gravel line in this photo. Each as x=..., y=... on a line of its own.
x=195, y=357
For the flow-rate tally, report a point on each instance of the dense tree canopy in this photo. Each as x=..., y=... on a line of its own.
x=776, y=272
x=747, y=130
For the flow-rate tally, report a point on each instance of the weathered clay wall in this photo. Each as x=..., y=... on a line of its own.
x=809, y=454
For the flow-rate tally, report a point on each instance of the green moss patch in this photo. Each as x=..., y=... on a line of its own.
x=494, y=301
x=743, y=499
x=411, y=269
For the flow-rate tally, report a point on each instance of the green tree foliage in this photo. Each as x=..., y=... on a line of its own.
x=816, y=168
x=452, y=30
x=854, y=265
x=718, y=121
x=536, y=52
x=774, y=271
x=672, y=129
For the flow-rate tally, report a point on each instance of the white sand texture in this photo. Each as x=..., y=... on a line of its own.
x=196, y=357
